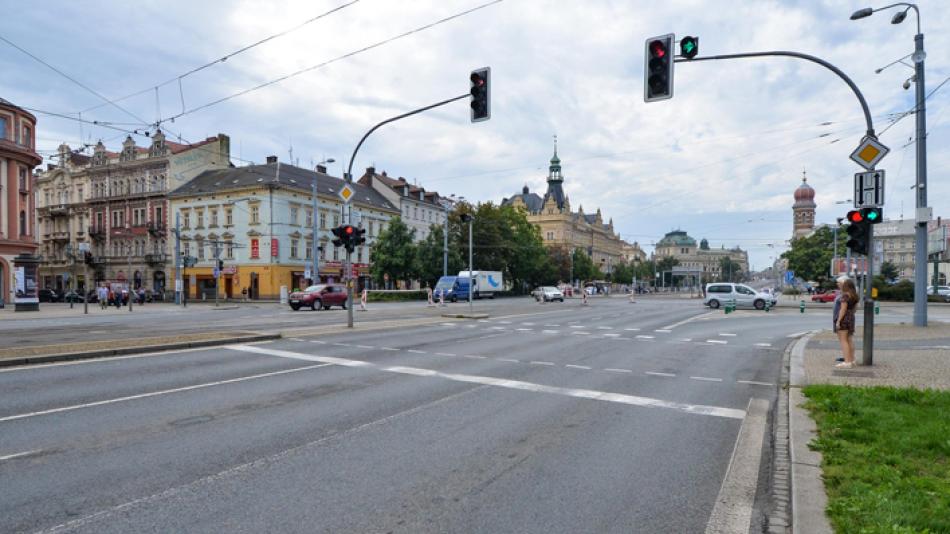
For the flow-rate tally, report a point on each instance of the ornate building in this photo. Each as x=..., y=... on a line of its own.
x=561, y=227
x=420, y=208
x=700, y=259
x=803, y=210
x=18, y=157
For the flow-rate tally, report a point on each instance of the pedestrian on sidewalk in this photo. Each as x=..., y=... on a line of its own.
x=102, y=293
x=844, y=320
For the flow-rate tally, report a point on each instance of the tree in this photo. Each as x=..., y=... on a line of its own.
x=729, y=271
x=623, y=273
x=811, y=256
x=394, y=253
x=889, y=271
x=666, y=264
x=429, y=257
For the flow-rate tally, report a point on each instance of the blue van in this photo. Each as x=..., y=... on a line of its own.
x=455, y=288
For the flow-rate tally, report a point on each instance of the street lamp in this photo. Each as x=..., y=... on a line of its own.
x=920, y=244
x=468, y=218
x=314, y=244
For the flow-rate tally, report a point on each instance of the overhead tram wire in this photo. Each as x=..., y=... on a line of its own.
x=224, y=58
x=330, y=61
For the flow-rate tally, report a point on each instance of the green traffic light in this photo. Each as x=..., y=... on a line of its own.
x=689, y=46
x=872, y=216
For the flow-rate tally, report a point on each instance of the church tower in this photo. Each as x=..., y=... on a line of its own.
x=803, y=210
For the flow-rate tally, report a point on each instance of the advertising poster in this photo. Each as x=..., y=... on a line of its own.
x=26, y=287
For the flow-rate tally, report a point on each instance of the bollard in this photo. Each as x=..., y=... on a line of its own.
x=877, y=308
x=767, y=307
x=801, y=307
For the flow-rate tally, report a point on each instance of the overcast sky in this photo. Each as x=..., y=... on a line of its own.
x=720, y=160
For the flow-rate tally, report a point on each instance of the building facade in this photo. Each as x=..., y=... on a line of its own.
x=803, y=210
x=419, y=209
x=118, y=204
x=570, y=230
x=259, y=221
x=699, y=259
x=18, y=157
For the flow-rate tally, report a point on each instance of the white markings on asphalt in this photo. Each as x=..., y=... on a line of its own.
x=611, y=335
x=763, y=344
x=684, y=321
x=535, y=362
x=686, y=339
x=342, y=344
x=444, y=354
x=754, y=383
x=578, y=326
x=612, y=370
x=353, y=363
x=512, y=360
x=497, y=328
x=20, y=454
x=483, y=320
x=414, y=351
x=796, y=334
x=705, y=379
x=605, y=328
x=717, y=341
x=504, y=322
x=572, y=366
x=318, y=342
x=549, y=332
x=644, y=337
x=632, y=329
x=389, y=348
x=447, y=324
x=619, y=398
x=469, y=326
x=524, y=329
x=663, y=330
x=656, y=373
x=552, y=325
x=297, y=339
x=579, y=333
x=726, y=334
x=365, y=347
x=528, y=324
x=474, y=356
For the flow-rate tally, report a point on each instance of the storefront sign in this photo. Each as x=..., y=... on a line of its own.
x=255, y=249
x=274, y=249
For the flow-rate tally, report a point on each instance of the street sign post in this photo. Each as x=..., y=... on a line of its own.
x=869, y=152
x=789, y=277
x=869, y=189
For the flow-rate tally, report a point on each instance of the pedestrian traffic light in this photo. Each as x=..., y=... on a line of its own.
x=338, y=232
x=858, y=232
x=481, y=94
x=873, y=215
x=658, y=68
x=689, y=46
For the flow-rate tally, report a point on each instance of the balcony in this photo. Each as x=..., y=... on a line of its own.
x=56, y=210
x=99, y=260
x=97, y=233
x=59, y=236
x=156, y=259
x=156, y=229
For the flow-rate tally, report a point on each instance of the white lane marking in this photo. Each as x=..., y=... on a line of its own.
x=549, y=331
x=470, y=326
x=612, y=370
x=763, y=344
x=444, y=354
x=162, y=392
x=342, y=344
x=733, y=509
x=474, y=356
x=12, y=369
x=504, y=322
x=527, y=324
x=572, y=366
x=632, y=329
x=447, y=324
x=717, y=341
x=579, y=333
x=389, y=348
x=611, y=335
x=535, y=362
x=726, y=334
x=19, y=454
x=578, y=326
x=754, y=383
x=686, y=339
x=318, y=342
x=656, y=373
x=483, y=320
x=497, y=328
x=524, y=329
x=414, y=351
x=632, y=400
x=552, y=325
x=605, y=328
x=365, y=347
x=512, y=360
x=663, y=330
x=684, y=321
x=705, y=379
x=644, y=337
x=797, y=334
x=297, y=339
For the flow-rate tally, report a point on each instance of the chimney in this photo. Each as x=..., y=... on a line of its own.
x=322, y=169
x=271, y=159
x=371, y=170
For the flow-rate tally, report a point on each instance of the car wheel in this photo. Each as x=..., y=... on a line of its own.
x=560, y=300
x=714, y=304
x=295, y=307
x=759, y=304
x=454, y=299
x=343, y=305
x=316, y=304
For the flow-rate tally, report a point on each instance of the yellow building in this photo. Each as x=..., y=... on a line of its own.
x=561, y=227
x=258, y=221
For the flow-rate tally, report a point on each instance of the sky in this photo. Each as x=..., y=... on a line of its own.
x=720, y=160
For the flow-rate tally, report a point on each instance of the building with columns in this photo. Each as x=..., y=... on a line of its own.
x=803, y=210
x=18, y=157
x=699, y=259
x=570, y=230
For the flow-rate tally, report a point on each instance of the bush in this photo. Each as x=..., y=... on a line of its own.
x=791, y=291
x=902, y=291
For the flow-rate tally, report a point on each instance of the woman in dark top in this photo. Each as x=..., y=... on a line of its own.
x=844, y=322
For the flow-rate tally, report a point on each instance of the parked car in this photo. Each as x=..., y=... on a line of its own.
x=73, y=296
x=319, y=296
x=943, y=291
x=48, y=295
x=828, y=296
x=451, y=288
x=548, y=294
x=719, y=294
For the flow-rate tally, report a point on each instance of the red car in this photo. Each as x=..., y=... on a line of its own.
x=319, y=296
x=830, y=296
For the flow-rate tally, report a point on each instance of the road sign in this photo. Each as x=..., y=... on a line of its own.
x=178, y=286
x=306, y=273
x=346, y=193
x=84, y=247
x=869, y=153
x=215, y=272
x=789, y=276
x=869, y=189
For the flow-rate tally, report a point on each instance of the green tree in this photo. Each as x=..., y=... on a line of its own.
x=584, y=268
x=810, y=256
x=394, y=253
x=429, y=257
x=622, y=273
x=889, y=271
x=729, y=270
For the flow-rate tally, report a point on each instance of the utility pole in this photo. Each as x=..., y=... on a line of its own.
x=920, y=244
x=129, y=277
x=314, y=245
x=471, y=273
x=178, y=270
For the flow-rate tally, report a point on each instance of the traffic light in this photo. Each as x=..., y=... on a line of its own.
x=360, y=237
x=689, y=46
x=220, y=265
x=349, y=237
x=338, y=232
x=858, y=232
x=481, y=94
x=873, y=215
x=658, y=68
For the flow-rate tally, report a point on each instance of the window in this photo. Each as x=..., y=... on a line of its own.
x=415, y=212
x=229, y=217
x=308, y=254
x=323, y=250
x=308, y=218
x=550, y=236
x=185, y=219
x=229, y=250
x=24, y=183
x=201, y=250
x=323, y=220
x=3, y=127
x=255, y=249
x=370, y=232
x=336, y=220
x=158, y=216
x=214, y=218
x=24, y=231
x=255, y=214
x=186, y=248
x=293, y=215
x=293, y=247
x=200, y=215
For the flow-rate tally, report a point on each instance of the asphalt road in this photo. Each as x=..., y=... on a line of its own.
x=616, y=417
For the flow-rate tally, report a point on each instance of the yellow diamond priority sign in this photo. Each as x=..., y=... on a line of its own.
x=869, y=153
x=346, y=193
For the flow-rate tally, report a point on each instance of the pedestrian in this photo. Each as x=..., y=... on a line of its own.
x=102, y=294
x=844, y=318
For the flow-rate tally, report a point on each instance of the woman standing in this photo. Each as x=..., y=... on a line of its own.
x=844, y=321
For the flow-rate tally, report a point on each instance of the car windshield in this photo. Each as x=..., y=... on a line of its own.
x=445, y=284
x=312, y=289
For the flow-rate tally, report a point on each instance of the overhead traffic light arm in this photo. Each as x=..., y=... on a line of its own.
x=807, y=57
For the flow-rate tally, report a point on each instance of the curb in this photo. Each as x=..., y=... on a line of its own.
x=465, y=315
x=69, y=356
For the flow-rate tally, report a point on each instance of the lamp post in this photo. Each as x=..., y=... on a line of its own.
x=466, y=217
x=920, y=243
x=314, y=244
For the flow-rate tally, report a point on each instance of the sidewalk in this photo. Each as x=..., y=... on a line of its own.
x=59, y=309
x=904, y=356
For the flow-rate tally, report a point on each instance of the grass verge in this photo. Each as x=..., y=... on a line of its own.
x=885, y=457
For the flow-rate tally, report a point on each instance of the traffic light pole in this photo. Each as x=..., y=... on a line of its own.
x=867, y=351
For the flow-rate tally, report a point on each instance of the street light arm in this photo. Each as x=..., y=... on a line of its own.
x=905, y=4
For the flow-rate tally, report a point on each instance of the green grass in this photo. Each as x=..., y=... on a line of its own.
x=885, y=457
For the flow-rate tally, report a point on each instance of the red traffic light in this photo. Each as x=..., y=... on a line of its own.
x=658, y=49
x=348, y=230
x=855, y=216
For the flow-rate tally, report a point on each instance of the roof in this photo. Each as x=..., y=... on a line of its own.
x=532, y=201
x=677, y=238
x=216, y=181
x=7, y=103
x=400, y=183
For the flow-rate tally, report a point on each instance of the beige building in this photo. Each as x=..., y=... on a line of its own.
x=699, y=258
x=561, y=227
x=420, y=209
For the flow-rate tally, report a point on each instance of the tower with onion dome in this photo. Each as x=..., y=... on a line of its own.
x=803, y=210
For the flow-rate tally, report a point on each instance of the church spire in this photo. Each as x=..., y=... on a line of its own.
x=554, y=171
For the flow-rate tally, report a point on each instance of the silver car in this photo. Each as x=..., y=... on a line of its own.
x=549, y=294
x=722, y=293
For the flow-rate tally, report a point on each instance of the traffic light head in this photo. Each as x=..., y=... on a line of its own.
x=338, y=232
x=872, y=215
x=349, y=236
x=689, y=46
x=481, y=94
x=855, y=216
x=858, y=232
x=658, y=68
x=360, y=236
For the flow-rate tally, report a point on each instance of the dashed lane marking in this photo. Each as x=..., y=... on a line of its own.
x=657, y=373
x=572, y=366
x=605, y=328
x=632, y=329
x=705, y=379
x=20, y=454
x=527, y=324
x=611, y=335
x=549, y=331
x=663, y=330
x=536, y=362
x=444, y=354
x=318, y=342
x=414, y=351
x=497, y=328
x=578, y=326
x=475, y=356
x=552, y=325
x=512, y=360
x=342, y=344
x=686, y=339
x=504, y=322
x=754, y=383
x=717, y=341
x=612, y=370
x=365, y=347
x=604, y=396
x=726, y=334
x=763, y=344
x=644, y=337
x=389, y=348
x=579, y=333
x=525, y=330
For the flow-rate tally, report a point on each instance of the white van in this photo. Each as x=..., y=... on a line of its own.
x=721, y=293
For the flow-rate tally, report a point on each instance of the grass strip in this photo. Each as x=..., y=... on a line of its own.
x=885, y=457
